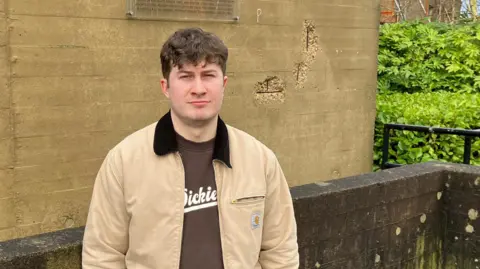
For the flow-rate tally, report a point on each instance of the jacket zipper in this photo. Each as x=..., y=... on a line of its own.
x=225, y=265
x=179, y=243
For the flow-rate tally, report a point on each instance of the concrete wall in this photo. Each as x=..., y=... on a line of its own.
x=77, y=76
x=413, y=217
x=389, y=219
x=420, y=216
x=462, y=206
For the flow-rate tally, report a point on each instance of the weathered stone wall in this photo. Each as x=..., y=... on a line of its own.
x=462, y=206
x=77, y=76
x=391, y=219
x=413, y=217
x=56, y=250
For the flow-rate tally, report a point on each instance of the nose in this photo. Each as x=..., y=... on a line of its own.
x=198, y=87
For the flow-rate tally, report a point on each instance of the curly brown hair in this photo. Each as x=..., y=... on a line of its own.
x=192, y=46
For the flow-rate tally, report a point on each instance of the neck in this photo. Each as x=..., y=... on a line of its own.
x=193, y=131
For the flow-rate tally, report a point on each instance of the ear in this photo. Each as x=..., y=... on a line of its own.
x=164, y=84
x=225, y=80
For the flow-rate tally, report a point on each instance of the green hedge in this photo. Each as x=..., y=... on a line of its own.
x=439, y=109
x=425, y=57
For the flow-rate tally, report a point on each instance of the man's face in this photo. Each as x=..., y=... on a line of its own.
x=195, y=92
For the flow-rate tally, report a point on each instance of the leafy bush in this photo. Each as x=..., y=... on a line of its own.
x=437, y=109
x=425, y=57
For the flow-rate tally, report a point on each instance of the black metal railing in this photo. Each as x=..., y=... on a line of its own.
x=468, y=134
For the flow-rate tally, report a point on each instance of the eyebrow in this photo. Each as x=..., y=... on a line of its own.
x=185, y=72
x=208, y=71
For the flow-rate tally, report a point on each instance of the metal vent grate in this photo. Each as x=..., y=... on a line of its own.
x=183, y=9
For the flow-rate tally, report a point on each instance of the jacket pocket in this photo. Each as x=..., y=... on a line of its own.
x=245, y=227
x=249, y=200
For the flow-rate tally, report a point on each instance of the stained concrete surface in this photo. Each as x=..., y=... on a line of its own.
x=413, y=217
x=56, y=250
x=78, y=76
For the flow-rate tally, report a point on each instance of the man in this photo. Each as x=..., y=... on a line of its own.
x=190, y=191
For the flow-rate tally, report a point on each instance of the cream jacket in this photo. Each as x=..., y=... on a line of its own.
x=135, y=218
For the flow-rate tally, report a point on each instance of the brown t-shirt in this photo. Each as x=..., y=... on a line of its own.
x=201, y=245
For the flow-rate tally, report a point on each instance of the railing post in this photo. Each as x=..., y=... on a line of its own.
x=467, y=149
x=386, y=145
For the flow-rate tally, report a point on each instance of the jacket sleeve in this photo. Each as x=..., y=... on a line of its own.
x=105, y=240
x=279, y=248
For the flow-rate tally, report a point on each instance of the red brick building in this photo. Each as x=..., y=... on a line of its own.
x=398, y=10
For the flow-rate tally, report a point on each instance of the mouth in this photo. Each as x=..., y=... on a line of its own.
x=199, y=103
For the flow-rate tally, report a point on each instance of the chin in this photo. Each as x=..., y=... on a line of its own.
x=198, y=115
x=203, y=116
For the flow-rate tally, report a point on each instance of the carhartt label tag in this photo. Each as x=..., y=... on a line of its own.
x=255, y=220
